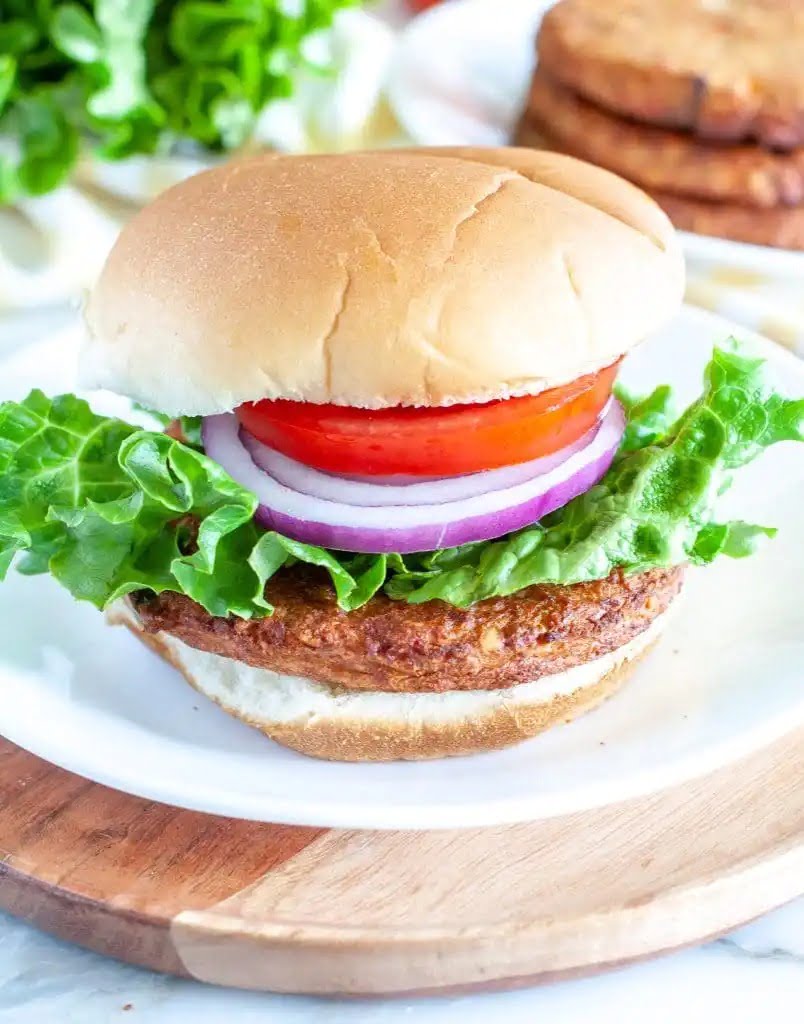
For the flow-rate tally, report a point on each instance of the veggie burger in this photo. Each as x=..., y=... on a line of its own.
x=397, y=506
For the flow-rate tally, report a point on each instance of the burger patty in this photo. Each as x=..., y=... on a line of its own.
x=433, y=647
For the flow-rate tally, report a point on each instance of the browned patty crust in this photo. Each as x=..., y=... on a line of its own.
x=432, y=647
x=728, y=70
x=660, y=159
x=781, y=226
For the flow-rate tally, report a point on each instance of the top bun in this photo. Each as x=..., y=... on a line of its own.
x=379, y=279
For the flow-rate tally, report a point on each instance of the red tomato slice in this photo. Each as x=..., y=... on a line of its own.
x=446, y=441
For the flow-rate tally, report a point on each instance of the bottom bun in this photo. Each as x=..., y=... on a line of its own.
x=342, y=725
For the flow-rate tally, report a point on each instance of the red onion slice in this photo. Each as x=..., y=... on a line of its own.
x=412, y=527
x=379, y=493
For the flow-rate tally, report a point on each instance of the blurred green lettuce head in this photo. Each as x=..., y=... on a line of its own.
x=136, y=76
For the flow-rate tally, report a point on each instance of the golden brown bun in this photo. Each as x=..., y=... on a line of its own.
x=379, y=279
x=338, y=726
x=590, y=184
x=396, y=740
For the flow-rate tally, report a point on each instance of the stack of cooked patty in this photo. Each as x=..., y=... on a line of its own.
x=701, y=102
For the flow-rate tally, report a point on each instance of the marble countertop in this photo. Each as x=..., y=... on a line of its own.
x=755, y=974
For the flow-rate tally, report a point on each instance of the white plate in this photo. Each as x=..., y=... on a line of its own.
x=726, y=678
x=460, y=76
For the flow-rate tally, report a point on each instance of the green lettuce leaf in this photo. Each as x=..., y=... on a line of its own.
x=654, y=508
x=648, y=419
x=133, y=76
x=190, y=426
x=108, y=508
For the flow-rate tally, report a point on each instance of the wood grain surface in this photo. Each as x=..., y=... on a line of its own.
x=326, y=911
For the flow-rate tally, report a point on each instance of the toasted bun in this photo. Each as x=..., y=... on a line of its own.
x=379, y=279
x=340, y=725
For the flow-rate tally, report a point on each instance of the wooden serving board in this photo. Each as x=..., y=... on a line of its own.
x=324, y=911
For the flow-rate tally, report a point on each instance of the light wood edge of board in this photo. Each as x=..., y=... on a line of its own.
x=733, y=848
x=288, y=909
x=304, y=958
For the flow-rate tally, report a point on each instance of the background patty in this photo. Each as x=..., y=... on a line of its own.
x=432, y=647
x=660, y=159
x=781, y=225
x=723, y=70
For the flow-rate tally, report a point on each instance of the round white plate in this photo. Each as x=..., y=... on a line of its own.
x=727, y=677
x=460, y=76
